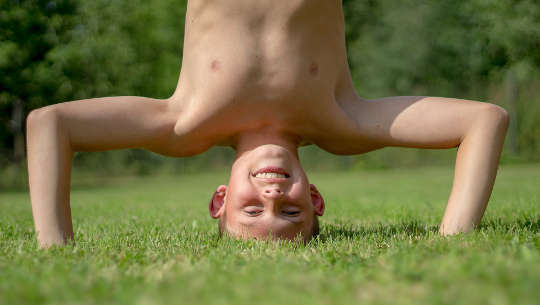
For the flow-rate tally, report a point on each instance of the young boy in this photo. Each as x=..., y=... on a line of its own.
x=264, y=78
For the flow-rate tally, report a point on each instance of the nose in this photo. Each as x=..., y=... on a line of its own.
x=272, y=192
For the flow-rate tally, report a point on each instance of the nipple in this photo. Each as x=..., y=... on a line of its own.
x=215, y=65
x=313, y=69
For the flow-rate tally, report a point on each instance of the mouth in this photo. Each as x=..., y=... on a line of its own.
x=271, y=172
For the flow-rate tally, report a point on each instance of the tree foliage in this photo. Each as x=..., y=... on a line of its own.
x=29, y=32
x=59, y=50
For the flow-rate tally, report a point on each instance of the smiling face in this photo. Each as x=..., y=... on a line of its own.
x=268, y=196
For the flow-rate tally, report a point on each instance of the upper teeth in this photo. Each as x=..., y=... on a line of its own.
x=270, y=175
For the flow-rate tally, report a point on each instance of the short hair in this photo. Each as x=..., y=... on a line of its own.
x=222, y=226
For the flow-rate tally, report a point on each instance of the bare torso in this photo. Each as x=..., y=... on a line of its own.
x=254, y=65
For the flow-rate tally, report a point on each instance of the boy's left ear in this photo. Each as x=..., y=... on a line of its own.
x=317, y=200
x=217, y=203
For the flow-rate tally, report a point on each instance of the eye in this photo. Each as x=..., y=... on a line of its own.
x=291, y=212
x=253, y=211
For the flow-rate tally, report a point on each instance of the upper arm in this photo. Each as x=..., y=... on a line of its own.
x=418, y=121
x=116, y=123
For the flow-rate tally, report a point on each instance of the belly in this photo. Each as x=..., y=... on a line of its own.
x=249, y=65
x=260, y=51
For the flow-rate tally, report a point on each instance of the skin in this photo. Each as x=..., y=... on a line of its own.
x=263, y=79
x=258, y=207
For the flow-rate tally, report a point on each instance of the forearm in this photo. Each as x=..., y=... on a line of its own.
x=49, y=168
x=55, y=132
x=436, y=122
x=475, y=172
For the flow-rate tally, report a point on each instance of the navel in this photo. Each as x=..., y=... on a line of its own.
x=313, y=69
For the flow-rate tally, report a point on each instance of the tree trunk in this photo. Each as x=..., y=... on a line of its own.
x=17, y=120
x=512, y=96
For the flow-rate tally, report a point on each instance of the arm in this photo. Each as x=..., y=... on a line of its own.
x=55, y=132
x=478, y=129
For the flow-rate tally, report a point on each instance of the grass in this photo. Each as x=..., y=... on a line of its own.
x=150, y=241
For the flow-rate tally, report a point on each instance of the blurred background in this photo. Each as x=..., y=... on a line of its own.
x=55, y=51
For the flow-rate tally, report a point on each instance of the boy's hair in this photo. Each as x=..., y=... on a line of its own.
x=222, y=226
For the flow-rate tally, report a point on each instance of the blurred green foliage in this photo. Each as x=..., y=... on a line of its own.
x=60, y=50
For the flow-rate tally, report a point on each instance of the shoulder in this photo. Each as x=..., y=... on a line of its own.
x=180, y=135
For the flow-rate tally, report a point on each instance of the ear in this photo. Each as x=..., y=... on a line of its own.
x=217, y=203
x=317, y=200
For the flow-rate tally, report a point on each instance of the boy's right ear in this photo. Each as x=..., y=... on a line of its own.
x=217, y=203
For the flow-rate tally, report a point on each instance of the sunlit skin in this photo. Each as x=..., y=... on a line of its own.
x=256, y=206
x=264, y=77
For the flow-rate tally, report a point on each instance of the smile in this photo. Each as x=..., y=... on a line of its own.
x=271, y=172
x=270, y=175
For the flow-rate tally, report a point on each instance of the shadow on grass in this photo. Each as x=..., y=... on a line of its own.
x=76, y=187
x=349, y=231
x=88, y=183
x=526, y=223
x=13, y=189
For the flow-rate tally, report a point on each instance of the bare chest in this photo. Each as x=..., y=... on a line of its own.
x=313, y=117
x=249, y=74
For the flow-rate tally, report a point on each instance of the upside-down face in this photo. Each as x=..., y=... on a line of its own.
x=268, y=196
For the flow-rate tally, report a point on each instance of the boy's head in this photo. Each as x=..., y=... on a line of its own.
x=268, y=196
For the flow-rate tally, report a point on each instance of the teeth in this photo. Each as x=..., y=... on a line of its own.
x=270, y=175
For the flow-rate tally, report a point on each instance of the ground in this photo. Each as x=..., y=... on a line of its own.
x=150, y=240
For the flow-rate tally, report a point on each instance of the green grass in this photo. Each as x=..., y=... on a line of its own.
x=150, y=241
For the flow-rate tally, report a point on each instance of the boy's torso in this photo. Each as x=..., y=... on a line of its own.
x=264, y=64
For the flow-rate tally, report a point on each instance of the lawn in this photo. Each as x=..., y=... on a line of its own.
x=150, y=240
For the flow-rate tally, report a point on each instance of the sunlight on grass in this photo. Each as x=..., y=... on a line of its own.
x=150, y=241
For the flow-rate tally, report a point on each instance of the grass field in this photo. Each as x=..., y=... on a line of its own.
x=150, y=241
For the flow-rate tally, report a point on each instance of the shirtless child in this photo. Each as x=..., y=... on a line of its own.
x=264, y=78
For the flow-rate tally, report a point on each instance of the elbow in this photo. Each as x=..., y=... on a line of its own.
x=41, y=119
x=501, y=117
x=495, y=117
x=41, y=116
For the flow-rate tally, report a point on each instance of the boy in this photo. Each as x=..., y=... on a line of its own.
x=264, y=78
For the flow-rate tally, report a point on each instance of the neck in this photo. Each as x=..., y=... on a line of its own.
x=248, y=141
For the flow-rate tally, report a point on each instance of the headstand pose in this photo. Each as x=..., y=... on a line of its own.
x=264, y=78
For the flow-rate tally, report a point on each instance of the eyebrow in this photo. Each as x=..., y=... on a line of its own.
x=248, y=223
x=257, y=219
x=258, y=203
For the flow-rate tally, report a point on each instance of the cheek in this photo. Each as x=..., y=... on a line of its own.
x=239, y=192
x=300, y=193
x=238, y=184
